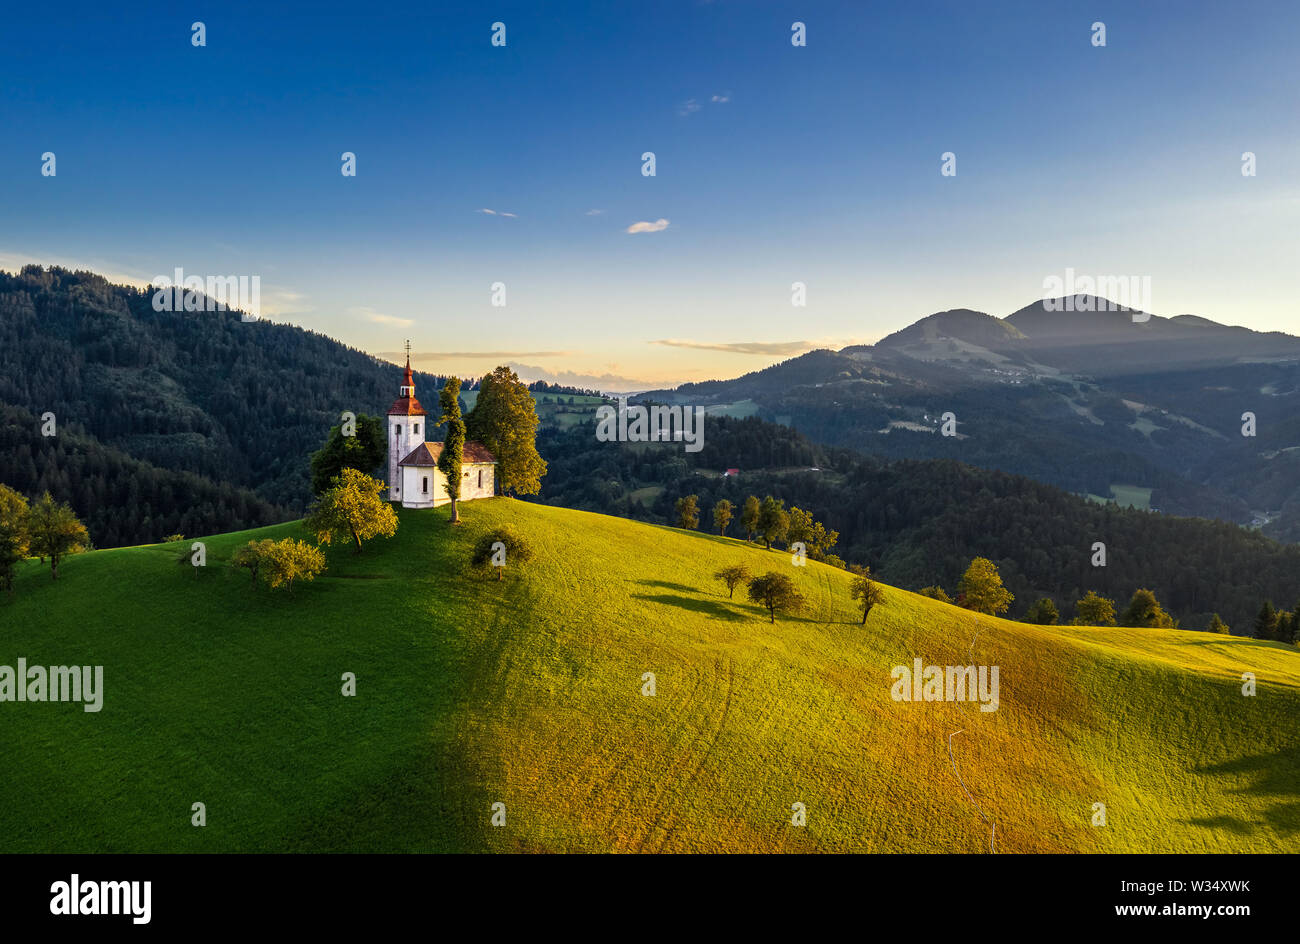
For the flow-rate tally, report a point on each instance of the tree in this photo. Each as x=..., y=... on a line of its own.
x=722, y=510
x=352, y=507
x=1094, y=610
x=250, y=557
x=55, y=532
x=289, y=560
x=1043, y=613
x=749, y=517
x=453, y=446
x=14, y=537
x=776, y=592
x=365, y=451
x=1285, y=623
x=733, y=576
x=1143, y=611
x=980, y=588
x=865, y=590
x=820, y=541
x=800, y=527
x=688, y=512
x=773, y=521
x=505, y=420
x=1218, y=626
x=500, y=546
x=935, y=593
x=1266, y=622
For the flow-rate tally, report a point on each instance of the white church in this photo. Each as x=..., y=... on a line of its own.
x=413, y=475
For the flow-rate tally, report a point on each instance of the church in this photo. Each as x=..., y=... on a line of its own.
x=413, y=475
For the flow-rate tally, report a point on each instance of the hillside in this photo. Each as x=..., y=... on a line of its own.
x=527, y=692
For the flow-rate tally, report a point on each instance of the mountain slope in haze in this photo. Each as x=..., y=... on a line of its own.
x=529, y=693
x=1089, y=400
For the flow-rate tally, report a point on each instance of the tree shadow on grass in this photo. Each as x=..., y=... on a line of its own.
x=1274, y=775
x=712, y=608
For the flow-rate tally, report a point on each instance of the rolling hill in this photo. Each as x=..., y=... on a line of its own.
x=527, y=692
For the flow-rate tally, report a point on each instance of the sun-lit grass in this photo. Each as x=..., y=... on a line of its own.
x=528, y=692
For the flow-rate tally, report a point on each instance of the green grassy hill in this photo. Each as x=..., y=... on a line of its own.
x=528, y=692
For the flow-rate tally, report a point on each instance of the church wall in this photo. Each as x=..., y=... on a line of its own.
x=414, y=497
x=400, y=445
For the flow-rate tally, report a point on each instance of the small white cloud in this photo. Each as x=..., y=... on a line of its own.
x=379, y=318
x=721, y=99
x=644, y=227
x=594, y=212
x=513, y=216
x=488, y=212
x=689, y=107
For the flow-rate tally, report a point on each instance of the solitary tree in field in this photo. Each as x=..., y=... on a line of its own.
x=749, y=517
x=1217, y=625
x=722, y=515
x=289, y=560
x=865, y=590
x=773, y=521
x=1094, y=610
x=14, y=539
x=505, y=420
x=688, y=512
x=453, y=446
x=776, y=592
x=352, y=507
x=980, y=588
x=1144, y=611
x=1043, y=612
x=55, y=532
x=499, y=547
x=250, y=557
x=364, y=451
x=733, y=576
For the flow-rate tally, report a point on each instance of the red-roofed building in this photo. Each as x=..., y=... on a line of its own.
x=413, y=475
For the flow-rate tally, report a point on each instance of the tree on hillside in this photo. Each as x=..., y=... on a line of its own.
x=1284, y=626
x=505, y=420
x=453, y=445
x=733, y=576
x=865, y=590
x=501, y=546
x=1043, y=612
x=54, y=532
x=980, y=588
x=773, y=521
x=1094, y=610
x=777, y=593
x=351, y=507
x=364, y=451
x=800, y=526
x=1266, y=622
x=1218, y=626
x=688, y=512
x=722, y=510
x=749, y=517
x=289, y=560
x=820, y=541
x=250, y=557
x=14, y=538
x=1143, y=611
x=935, y=593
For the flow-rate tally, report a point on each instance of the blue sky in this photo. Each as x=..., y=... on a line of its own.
x=775, y=164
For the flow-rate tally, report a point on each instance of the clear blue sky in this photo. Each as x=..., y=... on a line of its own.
x=817, y=164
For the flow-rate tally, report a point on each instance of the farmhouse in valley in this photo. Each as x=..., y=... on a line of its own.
x=413, y=475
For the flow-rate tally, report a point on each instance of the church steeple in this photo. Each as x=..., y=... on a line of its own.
x=408, y=384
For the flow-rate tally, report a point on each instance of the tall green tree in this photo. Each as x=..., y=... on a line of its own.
x=1217, y=626
x=688, y=512
x=453, y=445
x=800, y=527
x=865, y=590
x=55, y=532
x=1144, y=611
x=980, y=588
x=504, y=419
x=749, y=517
x=14, y=537
x=362, y=447
x=1094, y=610
x=722, y=513
x=1266, y=621
x=773, y=521
x=352, y=507
x=1043, y=612
x=777, y=593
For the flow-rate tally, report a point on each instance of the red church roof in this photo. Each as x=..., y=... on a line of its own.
x=407, y=405
x=426, y=454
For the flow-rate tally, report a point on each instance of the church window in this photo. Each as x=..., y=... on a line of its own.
x=415, y=430
x=480, y=478
x=426, y=484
